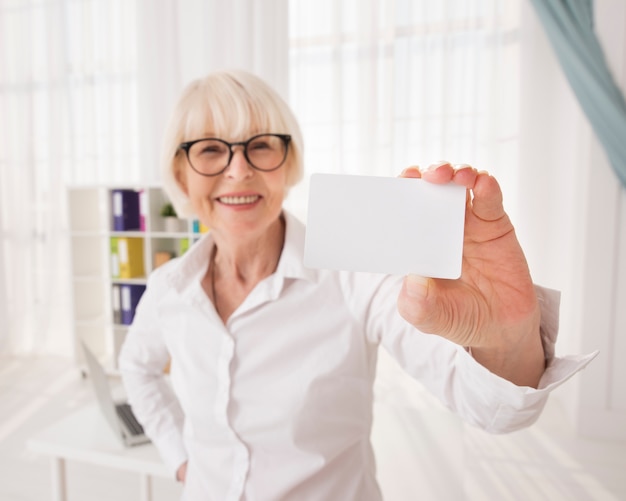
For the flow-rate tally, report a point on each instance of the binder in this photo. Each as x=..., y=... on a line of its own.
x=116, y=304
x=143, y=209
x=125, y=204
x=130, y=252
x=183, y=246
x=199, y=227
x=115, y=259
x=130, y=296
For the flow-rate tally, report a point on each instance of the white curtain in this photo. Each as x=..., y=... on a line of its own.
x=382, y=85
x=67, y=115
x=85, y=89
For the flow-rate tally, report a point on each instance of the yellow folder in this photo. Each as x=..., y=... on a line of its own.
x=130, y=253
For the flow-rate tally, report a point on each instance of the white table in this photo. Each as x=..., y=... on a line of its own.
x=86, y=437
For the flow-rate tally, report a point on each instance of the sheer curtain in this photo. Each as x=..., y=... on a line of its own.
x=381, y=85
x=67, y=101
x=85, y=89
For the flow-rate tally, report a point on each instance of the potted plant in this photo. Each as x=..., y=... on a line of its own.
x=168, y=213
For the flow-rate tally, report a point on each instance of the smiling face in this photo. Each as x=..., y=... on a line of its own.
x=241, y=202
x=232, y=106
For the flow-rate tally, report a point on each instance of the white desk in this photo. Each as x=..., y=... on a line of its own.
x=85, y=436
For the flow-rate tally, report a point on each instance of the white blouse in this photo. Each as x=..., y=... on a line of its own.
x=277, y=404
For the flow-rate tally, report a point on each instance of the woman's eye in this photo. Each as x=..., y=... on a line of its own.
x=212, y=150
x=259, y=146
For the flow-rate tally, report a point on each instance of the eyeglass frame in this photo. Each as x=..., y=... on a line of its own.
x=186, y=146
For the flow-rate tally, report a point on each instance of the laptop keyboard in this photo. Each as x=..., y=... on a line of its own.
x=126, y=414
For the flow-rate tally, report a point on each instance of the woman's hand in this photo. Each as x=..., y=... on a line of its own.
x=181, y=473
x=492, y=308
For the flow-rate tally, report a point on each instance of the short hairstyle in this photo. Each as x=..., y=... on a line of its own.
x=231, y=105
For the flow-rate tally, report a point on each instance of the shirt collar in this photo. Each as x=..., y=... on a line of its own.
x=291, y=264
x=191, y=267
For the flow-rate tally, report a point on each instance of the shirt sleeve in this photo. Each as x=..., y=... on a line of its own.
x=142, y=361
x=480, y=397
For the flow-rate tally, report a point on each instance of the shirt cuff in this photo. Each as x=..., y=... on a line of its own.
x=549, y=302
x=512, y=407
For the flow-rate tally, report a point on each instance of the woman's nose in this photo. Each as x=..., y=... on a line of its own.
x=239, y=168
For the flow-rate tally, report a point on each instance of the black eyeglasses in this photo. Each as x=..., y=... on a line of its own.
x=212, y=156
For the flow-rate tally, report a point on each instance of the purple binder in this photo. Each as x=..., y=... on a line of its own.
x=130, y=296
x=126, y=213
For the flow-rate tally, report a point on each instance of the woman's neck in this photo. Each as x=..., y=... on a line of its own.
x=249, y=261
x=237, y=266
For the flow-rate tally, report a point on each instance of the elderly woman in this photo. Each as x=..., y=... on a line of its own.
x=272, y=364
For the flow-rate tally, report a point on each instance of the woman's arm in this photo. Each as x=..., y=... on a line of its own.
x=142, y=362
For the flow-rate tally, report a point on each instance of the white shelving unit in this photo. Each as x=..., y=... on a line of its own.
x=91, y=230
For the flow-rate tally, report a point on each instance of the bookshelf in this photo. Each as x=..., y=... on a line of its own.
x=112, y=251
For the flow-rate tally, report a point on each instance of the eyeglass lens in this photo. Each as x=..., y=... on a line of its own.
x=264, y=152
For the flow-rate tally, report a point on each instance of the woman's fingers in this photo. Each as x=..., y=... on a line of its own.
x=413, y=171
x=485, y=198
x=487, y=202
x=439, y=173
x=444, y=172
x=465, y=175
x=486, y=194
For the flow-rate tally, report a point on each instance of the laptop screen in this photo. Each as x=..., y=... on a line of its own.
x=102, y=389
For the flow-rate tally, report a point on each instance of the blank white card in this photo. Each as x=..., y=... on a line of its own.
x=385, y=225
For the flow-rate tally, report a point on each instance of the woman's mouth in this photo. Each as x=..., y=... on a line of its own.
x=239, y=200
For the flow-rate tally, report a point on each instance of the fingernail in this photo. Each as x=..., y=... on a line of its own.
x=412, y=171
x=417, y=286
x=436, y=165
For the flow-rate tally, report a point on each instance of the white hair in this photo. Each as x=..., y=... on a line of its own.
x=231, y=105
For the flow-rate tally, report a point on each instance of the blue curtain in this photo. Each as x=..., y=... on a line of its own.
x=569, y=26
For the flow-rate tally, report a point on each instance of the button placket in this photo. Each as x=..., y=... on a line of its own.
x=223, y=380
x=241, y=457
x=241, y=466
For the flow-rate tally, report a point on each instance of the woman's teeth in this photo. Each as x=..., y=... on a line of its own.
x=239, y=200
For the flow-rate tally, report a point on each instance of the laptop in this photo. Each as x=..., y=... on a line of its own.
x=118, y=414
